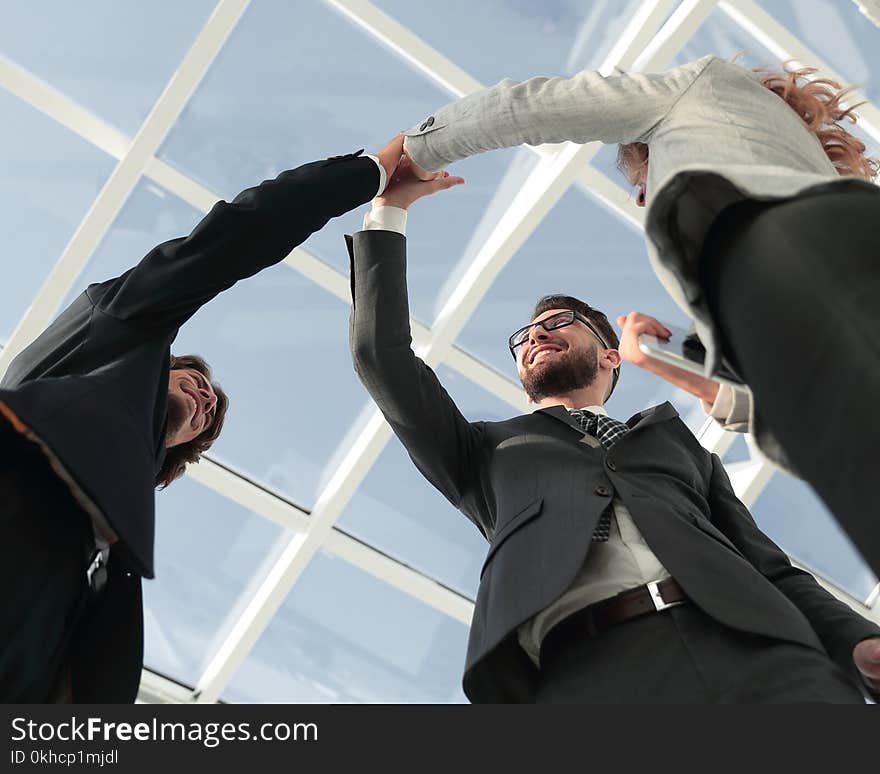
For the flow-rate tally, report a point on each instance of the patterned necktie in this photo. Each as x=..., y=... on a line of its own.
x=608, y=431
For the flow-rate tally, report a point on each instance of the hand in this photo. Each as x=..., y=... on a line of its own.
x=404, y=187
x=389, y=157
x=633, y=325
x=867, y=658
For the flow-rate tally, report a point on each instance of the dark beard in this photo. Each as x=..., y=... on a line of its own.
x=571, y=371
x=178, y=411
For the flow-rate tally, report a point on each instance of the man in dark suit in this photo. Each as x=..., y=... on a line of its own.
x=621, y=566
x=96, y=413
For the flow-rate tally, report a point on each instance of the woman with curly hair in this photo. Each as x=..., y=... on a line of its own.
x=762, y=223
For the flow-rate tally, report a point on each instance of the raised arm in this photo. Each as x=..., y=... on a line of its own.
x=237, y=239
x=443, y=445
x=583, y=108
x=846, y=635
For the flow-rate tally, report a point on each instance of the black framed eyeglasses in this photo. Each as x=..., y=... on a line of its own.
x=552, y=323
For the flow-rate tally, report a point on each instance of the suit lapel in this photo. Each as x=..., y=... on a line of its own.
x=561, y=414
x=642, y=419
x=651, y=416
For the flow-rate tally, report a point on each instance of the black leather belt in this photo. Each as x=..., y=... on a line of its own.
x=595, y=619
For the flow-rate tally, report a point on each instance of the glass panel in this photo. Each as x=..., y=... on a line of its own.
x=278, y=344
x=401, y=514
x=313, y=102
x=738, y=452
x=50, y=179
x=496, y=39
x=207, y=550
x=343, y=636
x=789, y=512
x=319, y=87
x=113, y=58
x=837, y=32
x=606, y=162
x=720, y=36
x=578, y=249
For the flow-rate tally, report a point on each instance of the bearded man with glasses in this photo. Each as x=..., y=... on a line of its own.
x=621, y=566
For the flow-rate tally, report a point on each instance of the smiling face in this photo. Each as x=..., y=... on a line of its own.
x=559, y=361
x=192, y=402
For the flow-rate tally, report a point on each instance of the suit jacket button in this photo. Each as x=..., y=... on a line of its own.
x=423, y=126
x=611, y=465
x=430, y=121
x=603, y=491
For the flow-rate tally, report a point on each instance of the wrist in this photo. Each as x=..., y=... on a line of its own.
x=388, y=201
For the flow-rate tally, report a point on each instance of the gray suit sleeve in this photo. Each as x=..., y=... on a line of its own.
x=444, y=446
x=583, y=108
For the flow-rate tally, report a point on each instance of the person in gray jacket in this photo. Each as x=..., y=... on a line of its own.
x=762, y=223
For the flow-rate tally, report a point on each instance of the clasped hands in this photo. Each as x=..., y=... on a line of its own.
x=407, y=181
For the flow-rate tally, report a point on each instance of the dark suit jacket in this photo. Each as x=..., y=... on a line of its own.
x=94, y=385
x=535, y=487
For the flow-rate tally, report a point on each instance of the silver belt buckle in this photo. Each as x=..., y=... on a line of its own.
x=657, y=597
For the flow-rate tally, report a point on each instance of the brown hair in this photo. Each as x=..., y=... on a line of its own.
x=593, y=315
x=178, y=457
x=817, y=102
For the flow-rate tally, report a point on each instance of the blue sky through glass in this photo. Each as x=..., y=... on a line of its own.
x=113, y=58
x=50, y=179
x=343, y=636
x=208, y=549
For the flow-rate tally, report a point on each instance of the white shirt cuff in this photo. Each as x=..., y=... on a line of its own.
x=383, y=178
x=386, y=219
x=732, y=408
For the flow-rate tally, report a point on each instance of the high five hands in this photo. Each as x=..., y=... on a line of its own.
x=406, y=181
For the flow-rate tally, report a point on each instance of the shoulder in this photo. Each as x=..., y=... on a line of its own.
x=717, y=67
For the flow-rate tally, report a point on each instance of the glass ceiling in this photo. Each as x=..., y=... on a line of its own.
x=307, y=560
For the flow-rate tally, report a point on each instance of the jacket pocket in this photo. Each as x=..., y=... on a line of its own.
x=512, y=525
